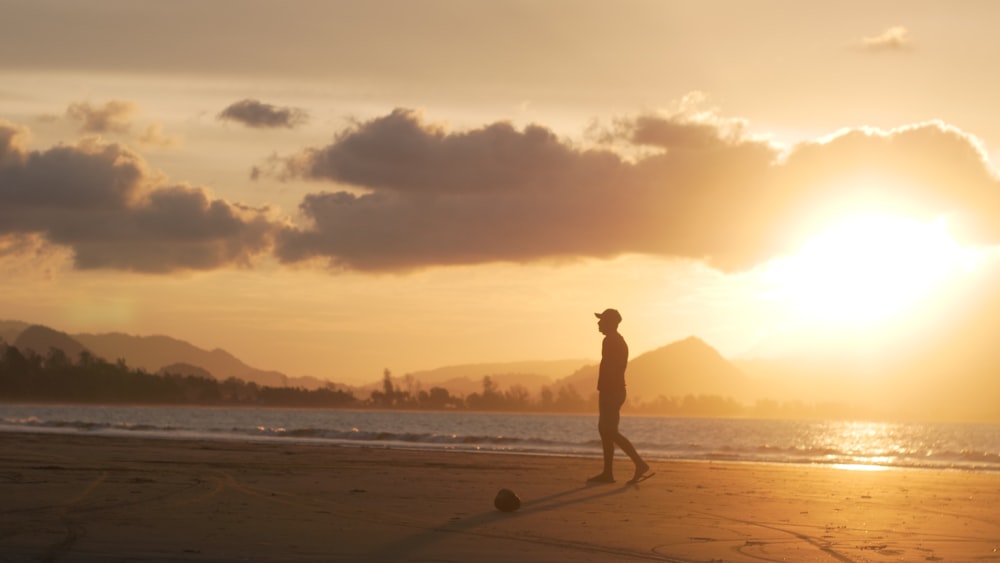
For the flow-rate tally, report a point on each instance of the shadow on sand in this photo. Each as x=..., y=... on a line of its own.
x=407, y=547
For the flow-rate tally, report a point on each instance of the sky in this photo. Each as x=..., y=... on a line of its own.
x=335, y=188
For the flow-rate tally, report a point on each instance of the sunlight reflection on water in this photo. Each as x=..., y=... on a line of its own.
x=859, y=467
x=867, y=445
x=870, y=446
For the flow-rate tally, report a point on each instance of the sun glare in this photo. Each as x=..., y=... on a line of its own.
x=868, y=268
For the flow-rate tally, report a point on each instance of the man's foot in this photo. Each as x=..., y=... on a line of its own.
x=602, y=478
x=641, y=472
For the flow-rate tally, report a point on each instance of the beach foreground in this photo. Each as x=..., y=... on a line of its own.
x=93, y=498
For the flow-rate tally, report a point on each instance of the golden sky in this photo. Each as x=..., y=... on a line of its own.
x=333, y=188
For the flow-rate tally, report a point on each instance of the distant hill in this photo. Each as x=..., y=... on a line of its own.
x=9, y=330
x=548, y=369
x=947, y=367
x=686, y=367
x=151, y=353
x=42, y=340
x=468, y=378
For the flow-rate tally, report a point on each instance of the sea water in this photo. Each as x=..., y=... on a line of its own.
x=971, y=447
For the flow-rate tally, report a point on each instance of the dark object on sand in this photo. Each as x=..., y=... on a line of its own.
x=506, y=501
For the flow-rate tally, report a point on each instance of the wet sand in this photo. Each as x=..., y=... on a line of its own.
x=92, y=498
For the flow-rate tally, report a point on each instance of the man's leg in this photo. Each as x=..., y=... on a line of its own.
x=607, y=427
x=641, y=467
x=608, y=445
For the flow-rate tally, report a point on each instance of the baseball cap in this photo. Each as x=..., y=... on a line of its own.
x=610, y=314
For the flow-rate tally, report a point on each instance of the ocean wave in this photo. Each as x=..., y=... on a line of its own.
x=87, y=426
x=711, y=440
x=356, y=435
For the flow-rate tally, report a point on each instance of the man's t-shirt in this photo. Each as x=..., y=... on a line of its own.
x=614, y=359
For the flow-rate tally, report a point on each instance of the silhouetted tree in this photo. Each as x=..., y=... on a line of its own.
x=437, y=398
x=517, y=398
x=568, y=399
x=546, y=399
x=386, y=398
x=92, y=379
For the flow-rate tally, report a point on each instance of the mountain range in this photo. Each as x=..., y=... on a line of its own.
x=149, y=353
x=931, y=373
x=686, y=367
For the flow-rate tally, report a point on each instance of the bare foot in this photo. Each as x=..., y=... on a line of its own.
x=602, y=478
x=640, y=469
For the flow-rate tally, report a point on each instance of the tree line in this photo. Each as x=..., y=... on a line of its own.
x=28, y=376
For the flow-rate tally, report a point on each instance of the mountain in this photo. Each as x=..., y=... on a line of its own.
x=9, y=330
x=155, y=354
x=42, y=340
x=686, y=367
x=151, y=353
x=468, y=378
x=943, y=368
x=547, y=370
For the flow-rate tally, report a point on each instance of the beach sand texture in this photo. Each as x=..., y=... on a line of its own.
x=93, y=498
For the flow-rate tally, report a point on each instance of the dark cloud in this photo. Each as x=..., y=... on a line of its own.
x=101, y=201
x=698, y=190
x=399, y=152
x=114, y=116
x=675, y=133
x=253, y=113
x=498, y=193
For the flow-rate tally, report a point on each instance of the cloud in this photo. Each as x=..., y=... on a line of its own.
x=925, y=171
x=399, y=152
x=253, y=113
x=153, y=136
x=683, y=130
x=30, y=255
x=423, y=195
x=896, y=38
x=101, y=201
x=114, y=116
x=13, y=142
x=429, y=196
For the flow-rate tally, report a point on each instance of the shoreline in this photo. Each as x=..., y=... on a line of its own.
x=98, y=498
x=963, y=447
x=450, y=449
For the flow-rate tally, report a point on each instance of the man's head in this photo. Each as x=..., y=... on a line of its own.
x=609, y=320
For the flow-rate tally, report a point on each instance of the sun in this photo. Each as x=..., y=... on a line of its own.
x=866, y=269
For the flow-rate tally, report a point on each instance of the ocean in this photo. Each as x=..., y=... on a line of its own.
x=857, y=445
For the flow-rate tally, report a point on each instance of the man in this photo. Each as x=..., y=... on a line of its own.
x=611, y=393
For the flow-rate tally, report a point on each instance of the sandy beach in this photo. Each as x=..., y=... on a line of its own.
x=93, y=498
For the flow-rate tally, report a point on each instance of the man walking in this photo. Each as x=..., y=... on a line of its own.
x=611, y=393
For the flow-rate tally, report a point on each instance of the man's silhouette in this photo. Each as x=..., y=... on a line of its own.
x=611, y=390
